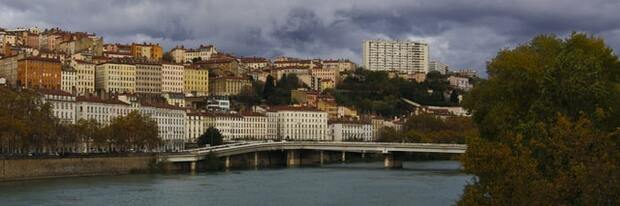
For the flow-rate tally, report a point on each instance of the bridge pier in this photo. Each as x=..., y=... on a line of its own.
x=192, y=166
x=292, y=158
x=227, y=162
x=321, y=157
x=255, y=160
x=392, y=161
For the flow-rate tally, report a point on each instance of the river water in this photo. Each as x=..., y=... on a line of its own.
x=418, y=183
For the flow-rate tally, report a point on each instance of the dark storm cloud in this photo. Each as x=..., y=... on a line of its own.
x=461, y=33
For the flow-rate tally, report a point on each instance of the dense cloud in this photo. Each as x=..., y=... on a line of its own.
x=461, y=33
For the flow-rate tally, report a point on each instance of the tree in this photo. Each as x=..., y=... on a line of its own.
x=211, y=137
x=167, y=57
x=269, y=87
x=454, y=96
x=548, y=117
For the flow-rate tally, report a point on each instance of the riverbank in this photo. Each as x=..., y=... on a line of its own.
x=14, y=169
x=39, y=168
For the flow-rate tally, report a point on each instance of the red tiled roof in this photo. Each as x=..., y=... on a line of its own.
x=54, y=92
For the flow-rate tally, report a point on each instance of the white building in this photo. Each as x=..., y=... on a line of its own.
x=300, y=123
x=182, y=55
x=85, y=77
x=402, y=56
x=460, y=82
x=100, y=110
x=68, y=79
x=195, y=125
x=170, y=124
x=255, y=127
x=172, y=79
x=436, y=65
x=343, y=130
x=62, y=103
x=229, y=124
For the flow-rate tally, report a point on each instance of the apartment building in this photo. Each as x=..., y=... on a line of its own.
x=116, y=76
x=68, y=80
x=36, y=72
x=85, y=72
x=401, y=56
x=172, y=78
x=300, y=123
x=148, y=77
x=196, y=80
x=228, y=86
x=350, y=130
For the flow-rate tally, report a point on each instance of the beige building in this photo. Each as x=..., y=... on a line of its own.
x=116, y=77
x=172, y=78
x=85, y=77
x=254, y=63
x=332, y=74
x=182, y=55
x=342, y=65
x=196, y=80
x=8, y=68
x=148, y=78
x=68, y=79
x=228, y=86
x=402, y=56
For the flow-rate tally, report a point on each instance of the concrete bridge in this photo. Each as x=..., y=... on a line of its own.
x=262, y=153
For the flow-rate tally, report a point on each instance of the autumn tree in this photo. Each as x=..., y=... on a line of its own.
x=549, y=118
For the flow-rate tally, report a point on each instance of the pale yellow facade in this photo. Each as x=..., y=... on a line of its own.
x=196, y=80
x=116, y=78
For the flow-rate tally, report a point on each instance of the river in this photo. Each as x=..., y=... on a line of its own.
x=418, y=183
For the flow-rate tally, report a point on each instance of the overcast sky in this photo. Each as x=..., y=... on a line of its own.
x=462, y=33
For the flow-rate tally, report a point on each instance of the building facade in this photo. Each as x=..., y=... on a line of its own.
x=148, y=78
x=172, y=78
x=68, y=79
x=85, y=72
x=116, y=77
x=300, y=123
x=345, y=130
x=35, y=72
x=196, y=81
x=63, y=105
x=402, y=56
x=228, y=86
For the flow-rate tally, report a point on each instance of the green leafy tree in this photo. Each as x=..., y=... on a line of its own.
x=211, y=137
x=548, y=118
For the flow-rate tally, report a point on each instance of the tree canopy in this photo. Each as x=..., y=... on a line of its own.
x=549, y=118
x=211, y=137
x=426, y=128
x=375, y=92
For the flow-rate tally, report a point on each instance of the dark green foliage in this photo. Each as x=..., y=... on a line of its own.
x=211, y=137
x=427, y=128
x=374, y=92
x=280, y=94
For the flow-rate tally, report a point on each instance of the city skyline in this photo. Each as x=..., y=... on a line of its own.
x=461, y=34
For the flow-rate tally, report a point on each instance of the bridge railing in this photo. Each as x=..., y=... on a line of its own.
x=320, y=143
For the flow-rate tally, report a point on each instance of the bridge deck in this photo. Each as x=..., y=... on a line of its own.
x=359, y=147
